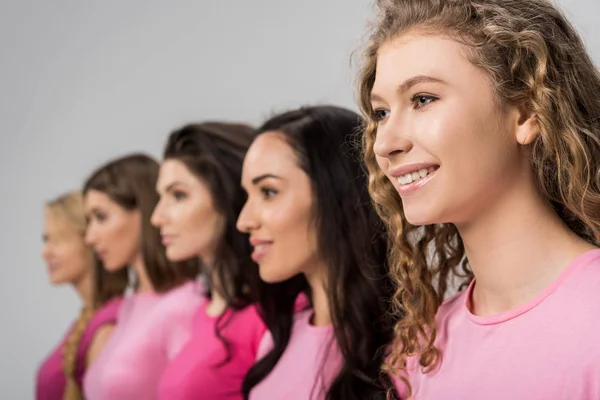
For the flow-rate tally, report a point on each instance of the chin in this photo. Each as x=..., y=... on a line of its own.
x=174, y=254
x=269, y=274
x=112, y=267
x=420, y=216
x=57, y=280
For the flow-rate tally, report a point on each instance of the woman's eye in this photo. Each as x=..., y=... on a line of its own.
x=267, y=192
x=381, y=114
x=420, y=101
x=178, y=195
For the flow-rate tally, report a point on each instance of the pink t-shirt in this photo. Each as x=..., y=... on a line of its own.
x=546, y=349
x=307, y=367
x=197, y=373
x=51, y=379
x=151, y=329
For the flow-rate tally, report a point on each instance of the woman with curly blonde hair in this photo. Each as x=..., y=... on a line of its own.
x=482, y=140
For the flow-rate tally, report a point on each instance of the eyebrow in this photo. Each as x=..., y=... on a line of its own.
x=262, y=177
x=171, y=185
x=408, y=84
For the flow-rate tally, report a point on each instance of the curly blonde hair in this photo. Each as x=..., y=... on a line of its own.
x=533, y=56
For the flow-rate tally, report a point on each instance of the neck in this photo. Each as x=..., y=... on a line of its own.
x=218, y=303
x=144, y=283
x=516, y=249
x=85, y=290
x=318, y=285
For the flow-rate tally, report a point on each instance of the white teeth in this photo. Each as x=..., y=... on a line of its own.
x=413, y=176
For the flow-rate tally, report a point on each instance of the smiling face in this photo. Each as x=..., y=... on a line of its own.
x=443, y=140
x=190, y=225
x=113, y=232
x=278, y=213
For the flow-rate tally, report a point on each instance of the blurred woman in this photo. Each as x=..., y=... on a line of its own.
x=155, y=321
x=70, y=261
x=200, y=200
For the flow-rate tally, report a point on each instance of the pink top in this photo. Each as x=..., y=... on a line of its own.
x=51, y=378
x=197, y=373
x=307, y=367
x=545, y=349
x=151, y=330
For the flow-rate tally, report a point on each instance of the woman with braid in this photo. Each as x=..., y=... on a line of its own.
x=70, y=261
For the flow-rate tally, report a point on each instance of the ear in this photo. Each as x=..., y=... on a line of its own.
x=528, y=127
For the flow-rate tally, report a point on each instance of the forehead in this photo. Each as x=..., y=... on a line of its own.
x=57, y=225
x=414, y=54
x=176, y=170
x=98, y=199
x=270, y=153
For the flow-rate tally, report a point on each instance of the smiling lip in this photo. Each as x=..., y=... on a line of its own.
x=410, y=168
x=101, y=254
x=261, y=248
x=405, y=189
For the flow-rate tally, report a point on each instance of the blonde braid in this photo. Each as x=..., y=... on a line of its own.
x=72, y=389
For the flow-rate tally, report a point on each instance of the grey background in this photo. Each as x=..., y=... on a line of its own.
x=83, y=81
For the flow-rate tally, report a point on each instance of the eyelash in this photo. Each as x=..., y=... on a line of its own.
x=429, y=99
x=178, y=195
x=416, y=97
x=268, y=192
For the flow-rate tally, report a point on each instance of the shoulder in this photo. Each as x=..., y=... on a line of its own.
x=249, y=315
x=579, y=290
x=249, y=323
x=180, y=300
x=265, y=345
x=98, y=341
x=452, y=307
x=108, y=312
x=586, y=268
x=302, y=317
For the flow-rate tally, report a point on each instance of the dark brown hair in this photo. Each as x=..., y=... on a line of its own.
x=214, y=152
x=352, y=244
x=130, y=182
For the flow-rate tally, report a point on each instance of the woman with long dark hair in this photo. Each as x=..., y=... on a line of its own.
x=200, y=200
x=315, y=233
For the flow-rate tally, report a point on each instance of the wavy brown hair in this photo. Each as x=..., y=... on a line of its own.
x=533, y=56
x=129, y=181
x=214, y=153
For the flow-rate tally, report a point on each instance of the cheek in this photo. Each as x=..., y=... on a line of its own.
x=74, y=259
x=125, y=238
x=203, y=227
x=294, y=243
x=383, y=163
